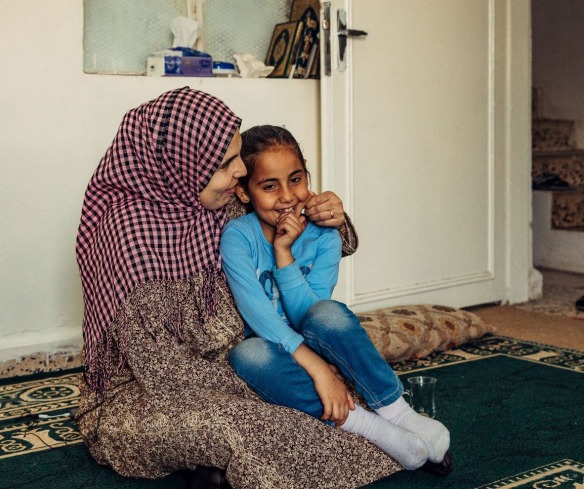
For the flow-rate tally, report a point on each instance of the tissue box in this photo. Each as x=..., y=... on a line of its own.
x=173, y=65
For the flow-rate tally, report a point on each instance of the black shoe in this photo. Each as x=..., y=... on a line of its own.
x=580, y=304
x=440, y=469
x=205, y=478
x=549, y=181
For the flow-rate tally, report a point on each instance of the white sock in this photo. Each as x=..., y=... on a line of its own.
x=402, y=445
x=432, y=432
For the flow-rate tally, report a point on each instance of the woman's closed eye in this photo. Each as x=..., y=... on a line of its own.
x=227, y=163
x=224, y=166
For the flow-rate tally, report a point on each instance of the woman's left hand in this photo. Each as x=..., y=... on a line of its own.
x=325, y=209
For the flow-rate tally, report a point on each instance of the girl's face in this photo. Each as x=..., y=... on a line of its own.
x=221, y=187
x=279, y=184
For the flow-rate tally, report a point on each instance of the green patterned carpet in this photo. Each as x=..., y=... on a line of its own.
x=515, y=410
x=516, y=415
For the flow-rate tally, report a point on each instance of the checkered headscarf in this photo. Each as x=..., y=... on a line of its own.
x=142, y=219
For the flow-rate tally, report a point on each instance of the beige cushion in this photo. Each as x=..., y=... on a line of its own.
x=406, y=332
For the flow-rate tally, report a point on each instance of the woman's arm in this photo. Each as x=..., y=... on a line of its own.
x=327, y=210
x=349, y=237
x=342, y=221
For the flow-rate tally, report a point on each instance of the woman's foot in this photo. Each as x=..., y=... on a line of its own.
x=206, y=478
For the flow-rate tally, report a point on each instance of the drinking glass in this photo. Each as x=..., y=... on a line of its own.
x=420, y=391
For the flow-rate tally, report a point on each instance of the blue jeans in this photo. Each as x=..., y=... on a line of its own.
x=332, y=331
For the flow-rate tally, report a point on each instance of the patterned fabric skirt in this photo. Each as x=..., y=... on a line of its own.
x=176, y=404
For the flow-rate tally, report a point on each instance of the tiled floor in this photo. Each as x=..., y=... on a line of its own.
x=561, y=290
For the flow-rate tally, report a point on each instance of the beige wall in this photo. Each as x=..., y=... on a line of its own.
x=55, y=124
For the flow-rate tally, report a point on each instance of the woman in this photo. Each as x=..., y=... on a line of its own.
x=158, y=395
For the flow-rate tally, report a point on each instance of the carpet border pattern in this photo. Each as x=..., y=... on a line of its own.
x=491, y=345
x=22, y=432
x=563, y=474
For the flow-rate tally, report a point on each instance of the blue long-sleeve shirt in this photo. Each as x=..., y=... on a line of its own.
x=272, y=301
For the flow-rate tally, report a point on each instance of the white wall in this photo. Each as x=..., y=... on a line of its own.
x=55, y=124
x=558, y=63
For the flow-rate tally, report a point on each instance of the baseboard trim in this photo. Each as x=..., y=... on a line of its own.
x=61, y=345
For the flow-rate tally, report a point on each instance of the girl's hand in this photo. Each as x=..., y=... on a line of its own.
x=339, y=375
x=325, y=209
x=288, y=228
x=331, y=390
x=335, y=398
x=336, y=371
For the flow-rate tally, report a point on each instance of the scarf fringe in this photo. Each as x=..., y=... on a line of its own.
x=207, y=298
x=108, y=357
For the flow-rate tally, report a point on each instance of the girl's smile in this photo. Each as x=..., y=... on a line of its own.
x=288, y=209
x=279, y=186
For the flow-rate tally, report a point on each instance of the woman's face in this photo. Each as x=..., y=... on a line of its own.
x=221, y=187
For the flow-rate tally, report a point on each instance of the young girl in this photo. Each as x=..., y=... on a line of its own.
x=299, y=343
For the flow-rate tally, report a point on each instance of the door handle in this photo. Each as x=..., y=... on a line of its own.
x=352, y=33
x=343, y=33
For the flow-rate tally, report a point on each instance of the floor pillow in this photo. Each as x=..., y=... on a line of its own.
x=406, y=332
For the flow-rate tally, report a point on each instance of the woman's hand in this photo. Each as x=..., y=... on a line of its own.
x=325, y=209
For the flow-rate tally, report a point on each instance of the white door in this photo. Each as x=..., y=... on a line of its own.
x=416, y=140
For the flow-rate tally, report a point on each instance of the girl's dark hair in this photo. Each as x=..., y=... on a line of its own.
x=258, y=139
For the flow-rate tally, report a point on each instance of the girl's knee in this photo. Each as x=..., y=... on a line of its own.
x=253, y=353
x=331, y=316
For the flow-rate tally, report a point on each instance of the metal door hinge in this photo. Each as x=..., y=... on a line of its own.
x=326, y=28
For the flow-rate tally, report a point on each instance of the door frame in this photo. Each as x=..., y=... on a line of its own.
x=336, y=105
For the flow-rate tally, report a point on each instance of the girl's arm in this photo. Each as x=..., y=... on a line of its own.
x=253, y=304
x=333, y=394
x=300, y=291
x=261, y=316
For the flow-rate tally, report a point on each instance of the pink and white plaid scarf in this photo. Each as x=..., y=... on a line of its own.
x=141, y=218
